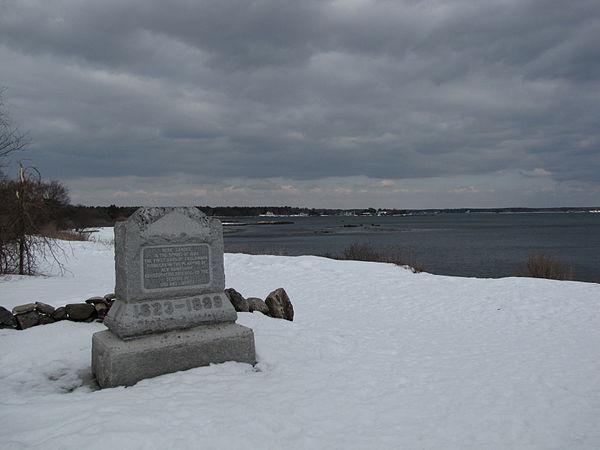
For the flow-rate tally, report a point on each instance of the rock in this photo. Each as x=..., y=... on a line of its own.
x=6, y=318
x=95, y=300
x=22, y=309
x=44, y=308
x=45, y=320
x=101, y=310
x=60, y=313
x=257, y=304
x=80, y=311
x=27, y=320
x=280, y=305
x=239, y=303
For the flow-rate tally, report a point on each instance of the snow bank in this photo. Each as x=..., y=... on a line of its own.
x=377, y=357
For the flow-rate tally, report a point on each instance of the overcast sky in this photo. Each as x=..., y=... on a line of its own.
x=349, y=103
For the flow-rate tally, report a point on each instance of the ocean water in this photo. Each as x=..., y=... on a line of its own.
x=471, y=245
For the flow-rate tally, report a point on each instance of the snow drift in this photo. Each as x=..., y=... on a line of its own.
x=377, y=357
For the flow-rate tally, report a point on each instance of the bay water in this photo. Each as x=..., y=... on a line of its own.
x=471, y=245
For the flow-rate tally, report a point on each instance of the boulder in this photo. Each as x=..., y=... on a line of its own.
x=22, y=309
x=60, y=313
x=95, y=300
x=6, y=318
x=257, y=304
x=45, y=320
x=44, y=308
x=101, y=310
x=80, y=311
x=280, y=305
x=237, y=300
x=27, y=320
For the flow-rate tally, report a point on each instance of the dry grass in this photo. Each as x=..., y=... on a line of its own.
x=361, y=252
x=366, y=252
x=355, y=252
x=51, y=232
x=541, y=265
x=264, y=251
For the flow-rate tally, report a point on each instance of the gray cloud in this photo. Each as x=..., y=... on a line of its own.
x=254, y=90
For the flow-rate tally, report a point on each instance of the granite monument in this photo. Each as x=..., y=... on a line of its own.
x=170, y=311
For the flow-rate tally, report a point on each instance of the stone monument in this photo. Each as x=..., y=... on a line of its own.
x=170, y=311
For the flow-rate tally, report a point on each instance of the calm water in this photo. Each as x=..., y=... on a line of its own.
x=476, y=245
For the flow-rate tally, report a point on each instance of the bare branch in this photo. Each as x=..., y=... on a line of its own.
x=11, y=138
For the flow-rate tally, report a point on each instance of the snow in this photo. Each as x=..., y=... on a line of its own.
x=377, y=357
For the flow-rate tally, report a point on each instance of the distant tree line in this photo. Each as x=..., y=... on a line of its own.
x=565, y=209
x=78, y=217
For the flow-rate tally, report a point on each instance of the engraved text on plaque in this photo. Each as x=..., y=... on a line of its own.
x=170, y=266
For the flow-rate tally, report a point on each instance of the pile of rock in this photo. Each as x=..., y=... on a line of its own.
x=38, y=313
x=277, y=304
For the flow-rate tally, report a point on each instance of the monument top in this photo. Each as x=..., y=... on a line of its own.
x=170, y=221
x=177, y=251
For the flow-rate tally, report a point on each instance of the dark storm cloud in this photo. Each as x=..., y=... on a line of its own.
x=307, y=89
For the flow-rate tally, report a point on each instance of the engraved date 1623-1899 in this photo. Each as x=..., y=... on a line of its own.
x=174, y=307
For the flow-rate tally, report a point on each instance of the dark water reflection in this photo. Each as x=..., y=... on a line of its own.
x=477, y=245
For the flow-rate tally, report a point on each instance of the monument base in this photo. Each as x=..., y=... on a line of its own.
x=116, y=362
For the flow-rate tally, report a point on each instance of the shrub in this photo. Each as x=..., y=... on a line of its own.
x=366, y=252
x=362, y=252
x=541, y=265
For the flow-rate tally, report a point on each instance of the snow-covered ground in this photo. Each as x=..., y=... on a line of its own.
x=377, y=358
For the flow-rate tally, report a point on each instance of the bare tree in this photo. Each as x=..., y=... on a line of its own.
x=11, y=139
x=29, y=208
x=27, y=205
